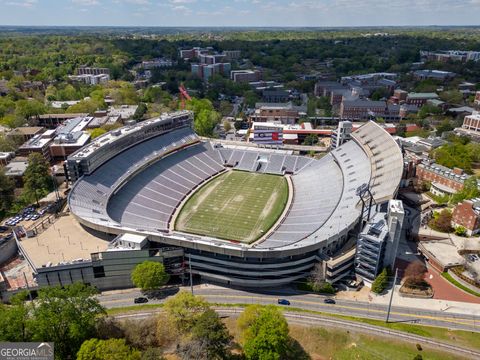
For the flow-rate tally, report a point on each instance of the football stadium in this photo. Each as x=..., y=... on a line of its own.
x=242, y=215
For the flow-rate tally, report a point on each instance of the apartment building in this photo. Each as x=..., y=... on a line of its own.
x=245, y=76
x=205, y=71
x=84, y=70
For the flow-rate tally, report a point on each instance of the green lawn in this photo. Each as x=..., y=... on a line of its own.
x=237, y=206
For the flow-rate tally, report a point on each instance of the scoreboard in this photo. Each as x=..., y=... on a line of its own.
x=267, y=134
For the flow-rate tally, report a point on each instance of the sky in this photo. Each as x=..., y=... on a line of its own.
x=239, y=12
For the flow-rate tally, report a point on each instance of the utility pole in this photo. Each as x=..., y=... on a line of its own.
x=391, y=295
x=190, y=271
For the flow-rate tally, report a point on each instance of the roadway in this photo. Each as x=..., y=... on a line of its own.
x=313, y=302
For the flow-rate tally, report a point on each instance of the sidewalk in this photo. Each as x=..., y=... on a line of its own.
x=427, y=304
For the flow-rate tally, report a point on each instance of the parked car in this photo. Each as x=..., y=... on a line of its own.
x=35, y=217
x=4, y=228
x=329, y=301
x=140, y=300
x=283, y=302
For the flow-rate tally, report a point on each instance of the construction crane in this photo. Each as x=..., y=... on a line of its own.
x=183, y=96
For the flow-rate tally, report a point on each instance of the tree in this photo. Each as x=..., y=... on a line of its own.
x=27, y=108
x=442, y=221
x=266, y=336
x=380, y=282
x=205, y=117
x=141, y=334
x=310, y=139
x=469, y=191
x=452, y=96
x=184, y=309
x=67, y=316
x=111, y=349
x=141, y=110
x=414, y=274
x=212, y=334
x=149, y=275
x=97, y=132
x=227, y=126
x=37, y=180
x=7, y=186
x=14, y=320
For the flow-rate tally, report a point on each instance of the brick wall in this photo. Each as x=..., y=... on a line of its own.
x=426, y=175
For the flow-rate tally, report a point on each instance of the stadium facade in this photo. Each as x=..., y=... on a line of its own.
x=135, y=179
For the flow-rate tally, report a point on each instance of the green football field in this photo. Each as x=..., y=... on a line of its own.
x=236, y=205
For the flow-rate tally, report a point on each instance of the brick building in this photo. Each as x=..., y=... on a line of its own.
x=472, y=122
x=444, y=180
x=283, y=113
x=477, y=98
x=420, y=99
x=467, y=214
x=245, y=76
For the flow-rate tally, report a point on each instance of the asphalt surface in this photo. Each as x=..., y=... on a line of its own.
x=310, y=302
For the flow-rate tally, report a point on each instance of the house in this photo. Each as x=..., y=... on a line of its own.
x=467, y=214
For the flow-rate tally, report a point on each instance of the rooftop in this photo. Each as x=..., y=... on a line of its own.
x=430, y=95
x=16, y=168
x=64, y=241
x=26, y=130
x=119, y=133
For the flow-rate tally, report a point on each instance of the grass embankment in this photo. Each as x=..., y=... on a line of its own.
x=463, y=338
x=331, y=343
x=457, y=284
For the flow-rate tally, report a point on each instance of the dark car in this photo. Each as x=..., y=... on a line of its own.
x=4, y=228
x=329, y=301
x=140, y=300
x=283, y=302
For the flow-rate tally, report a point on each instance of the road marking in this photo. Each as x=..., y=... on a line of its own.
x=449, y=320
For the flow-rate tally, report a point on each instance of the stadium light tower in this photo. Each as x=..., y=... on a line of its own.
x=363, y=191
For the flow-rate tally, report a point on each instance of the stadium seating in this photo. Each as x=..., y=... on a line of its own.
x=150, y=198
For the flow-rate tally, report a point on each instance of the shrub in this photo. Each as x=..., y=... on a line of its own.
x=460, y=231
x=442, y=222
x=380, y=283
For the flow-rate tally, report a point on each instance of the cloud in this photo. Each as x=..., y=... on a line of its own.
x=85, y=2
x=25, y=3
